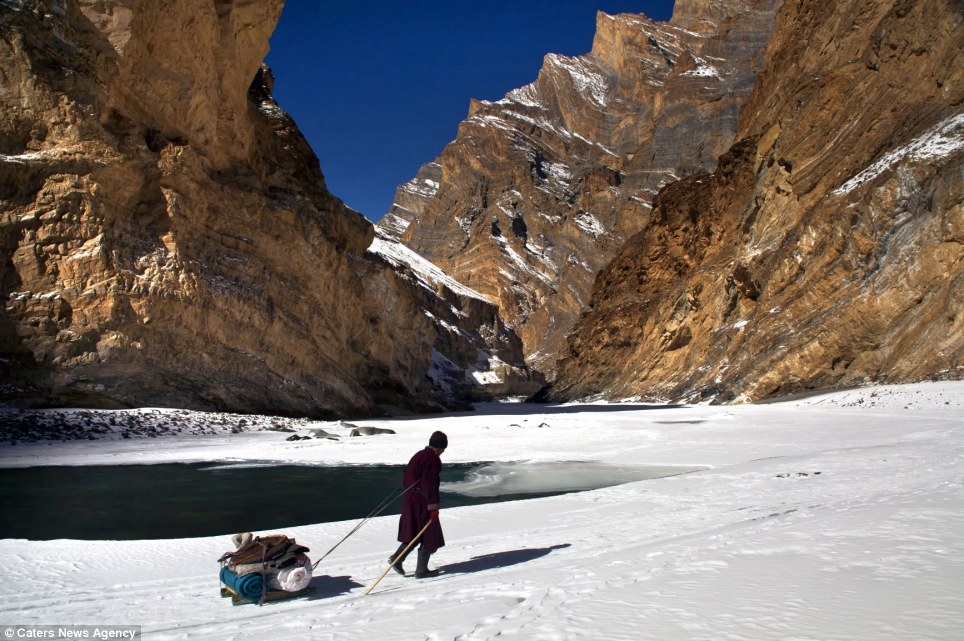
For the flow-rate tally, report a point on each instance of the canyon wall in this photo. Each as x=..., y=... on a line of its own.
x=167, y=237
x=826, y=249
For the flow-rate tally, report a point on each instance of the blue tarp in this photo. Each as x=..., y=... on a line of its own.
x=248, y=586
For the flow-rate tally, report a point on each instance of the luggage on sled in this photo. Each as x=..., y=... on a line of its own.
x=264, y=568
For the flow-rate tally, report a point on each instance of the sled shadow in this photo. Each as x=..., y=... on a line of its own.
x=326, y=587
x=500, y=559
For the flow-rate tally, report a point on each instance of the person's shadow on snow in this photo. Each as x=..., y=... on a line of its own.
x=499, y=559
x=326, y=587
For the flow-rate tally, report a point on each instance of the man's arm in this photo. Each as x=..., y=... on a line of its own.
x=430, y=483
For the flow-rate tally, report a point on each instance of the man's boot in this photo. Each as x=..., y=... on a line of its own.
x=421, y=570
x=400, y=554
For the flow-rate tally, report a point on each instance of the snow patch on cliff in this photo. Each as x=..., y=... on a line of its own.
x=586, y=78
x=398, y=254
x=703, y=70
x=943, y=140
x=589, y=224
x=421, y=187
x=521, y=265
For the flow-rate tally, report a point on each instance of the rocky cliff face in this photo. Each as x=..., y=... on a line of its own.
x=826, y=249
x=540, y=190
x=167, y=238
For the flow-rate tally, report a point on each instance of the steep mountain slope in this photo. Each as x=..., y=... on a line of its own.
x=540, y=189
x=826, y=249
x=167, y=238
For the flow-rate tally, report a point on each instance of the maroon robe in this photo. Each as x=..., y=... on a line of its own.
x=422, y=479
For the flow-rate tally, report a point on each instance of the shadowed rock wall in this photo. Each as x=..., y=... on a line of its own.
x=167, y=238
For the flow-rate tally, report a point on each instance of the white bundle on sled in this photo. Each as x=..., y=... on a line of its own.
x=293, y=579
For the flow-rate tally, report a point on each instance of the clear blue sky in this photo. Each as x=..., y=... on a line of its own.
x=379, y=88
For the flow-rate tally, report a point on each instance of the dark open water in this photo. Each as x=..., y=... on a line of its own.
x=167, y=501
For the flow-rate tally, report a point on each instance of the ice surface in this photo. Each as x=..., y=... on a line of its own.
x=835, y=517
x=501, y=479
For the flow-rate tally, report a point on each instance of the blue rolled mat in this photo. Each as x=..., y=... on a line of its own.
x=248, y=586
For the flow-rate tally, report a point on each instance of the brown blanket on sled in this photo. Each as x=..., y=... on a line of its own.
x=274, y=551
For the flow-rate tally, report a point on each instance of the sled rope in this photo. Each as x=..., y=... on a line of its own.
x=388, y=500
x=264, y=579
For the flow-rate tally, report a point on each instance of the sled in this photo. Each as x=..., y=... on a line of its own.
x=270, y=595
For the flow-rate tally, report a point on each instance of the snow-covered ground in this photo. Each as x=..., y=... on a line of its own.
x=833, y=517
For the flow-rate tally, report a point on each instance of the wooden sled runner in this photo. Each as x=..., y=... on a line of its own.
x=270, y=595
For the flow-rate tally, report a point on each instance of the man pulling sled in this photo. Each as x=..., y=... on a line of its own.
x=419, y=520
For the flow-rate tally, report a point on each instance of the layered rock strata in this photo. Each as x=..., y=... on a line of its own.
x=827, y=248
x=540, y=189
x=167, y=238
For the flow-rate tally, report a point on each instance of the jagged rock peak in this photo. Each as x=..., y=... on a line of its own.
x=541, y=188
